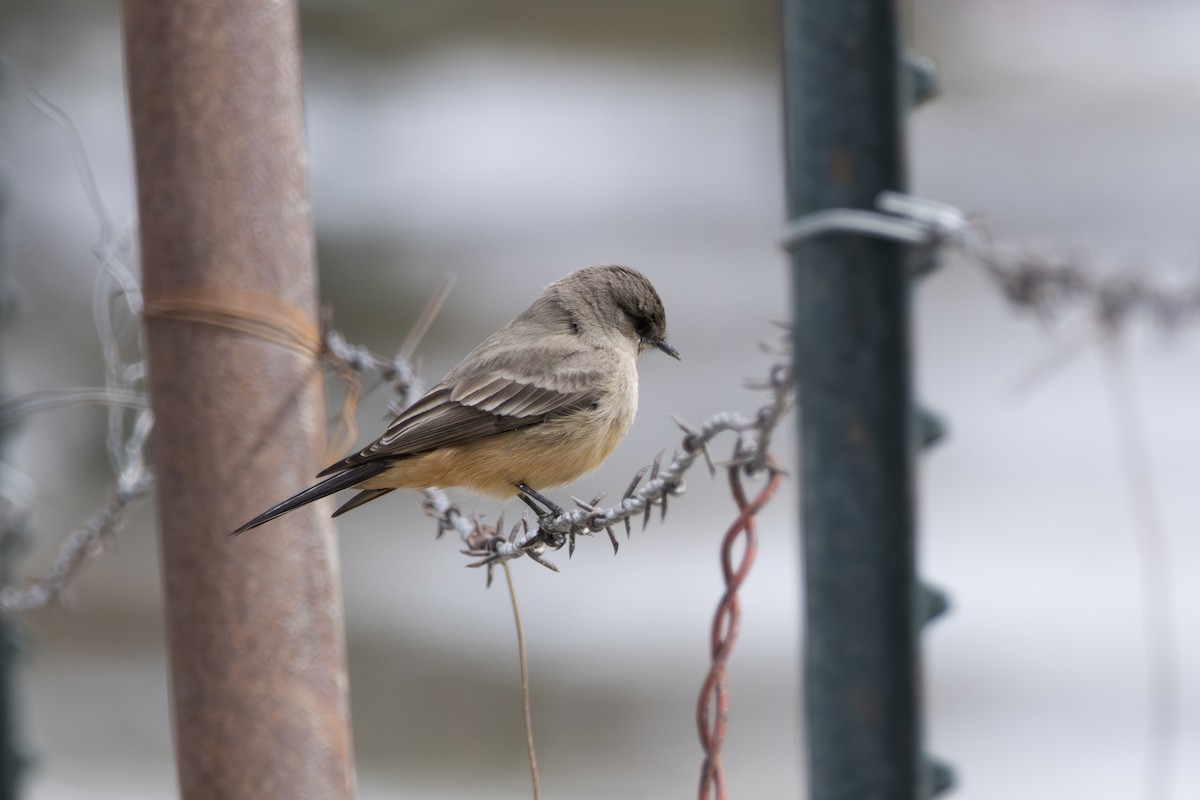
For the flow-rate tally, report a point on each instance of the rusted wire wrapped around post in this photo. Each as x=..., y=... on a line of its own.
x=254, y=623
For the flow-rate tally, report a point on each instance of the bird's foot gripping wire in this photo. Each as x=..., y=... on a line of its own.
x=546, y=510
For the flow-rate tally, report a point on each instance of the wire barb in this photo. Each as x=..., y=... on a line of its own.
x=664, y=479
x=637, y=478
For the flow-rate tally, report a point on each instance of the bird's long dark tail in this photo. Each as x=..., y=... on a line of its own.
x=335, y=483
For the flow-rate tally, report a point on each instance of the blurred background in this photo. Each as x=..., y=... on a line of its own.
x=506, y=144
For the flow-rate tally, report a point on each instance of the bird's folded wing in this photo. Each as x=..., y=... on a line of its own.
x=471, y=409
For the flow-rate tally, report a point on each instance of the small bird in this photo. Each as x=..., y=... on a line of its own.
x=539, y=403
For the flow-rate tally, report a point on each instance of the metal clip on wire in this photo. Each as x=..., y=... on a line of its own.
x=924, y=224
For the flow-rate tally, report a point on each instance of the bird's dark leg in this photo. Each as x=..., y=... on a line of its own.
x=547, y=510
x=529, y=496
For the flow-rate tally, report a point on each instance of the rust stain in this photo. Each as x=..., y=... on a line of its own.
x=865, y=704
x=857, y=435
x=841, y=167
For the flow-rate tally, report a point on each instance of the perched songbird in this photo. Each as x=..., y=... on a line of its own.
x=539, y=403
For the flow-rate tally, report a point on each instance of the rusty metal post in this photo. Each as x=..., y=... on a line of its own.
x=254, y=623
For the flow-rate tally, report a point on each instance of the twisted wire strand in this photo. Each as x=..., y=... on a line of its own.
x=712, y=708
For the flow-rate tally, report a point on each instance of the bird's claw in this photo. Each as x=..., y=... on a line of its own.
x=541, y=505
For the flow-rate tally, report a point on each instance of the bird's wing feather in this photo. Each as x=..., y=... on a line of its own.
x=505, y=394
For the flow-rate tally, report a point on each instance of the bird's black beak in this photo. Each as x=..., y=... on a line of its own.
x=667, y=347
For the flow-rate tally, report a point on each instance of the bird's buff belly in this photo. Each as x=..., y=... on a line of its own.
x=540, y=456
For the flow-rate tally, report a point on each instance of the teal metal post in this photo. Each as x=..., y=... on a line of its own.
x=846, y=93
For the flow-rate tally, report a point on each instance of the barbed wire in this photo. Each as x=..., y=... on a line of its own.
x=116, y=303
x=84, y=543
x=1045, y=284
x=1050, y=285
x=1034, y=282
x=491, y=546
x=1038, y=283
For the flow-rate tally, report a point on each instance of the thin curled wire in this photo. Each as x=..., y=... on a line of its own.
x=117, y=300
